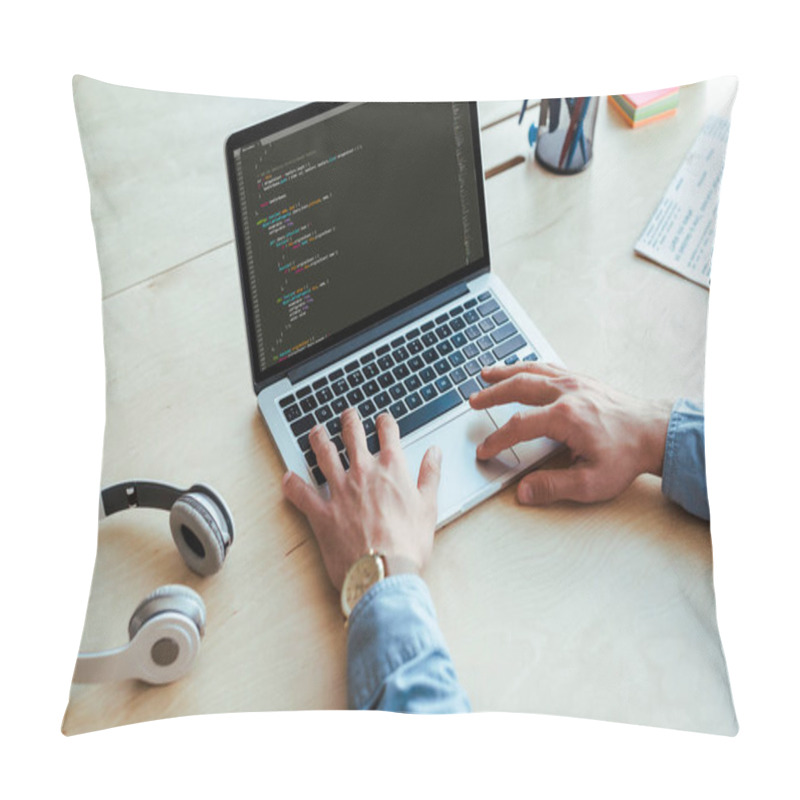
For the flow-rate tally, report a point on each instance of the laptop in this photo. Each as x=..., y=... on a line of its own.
x=364, y=262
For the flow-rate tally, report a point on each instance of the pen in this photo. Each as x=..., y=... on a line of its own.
x=570, y=138
x=581, y=137
x=555, y=112
x=579, y=132
x=534, y=129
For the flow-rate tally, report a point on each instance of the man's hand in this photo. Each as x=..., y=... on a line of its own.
x=375, y=504
x=612, y=437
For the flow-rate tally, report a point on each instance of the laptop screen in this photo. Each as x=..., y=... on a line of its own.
x=346, y=213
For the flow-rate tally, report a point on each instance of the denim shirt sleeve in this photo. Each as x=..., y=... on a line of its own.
x=397, y=659
x=684, y=475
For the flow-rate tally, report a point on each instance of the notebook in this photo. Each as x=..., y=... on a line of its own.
x=366, y=279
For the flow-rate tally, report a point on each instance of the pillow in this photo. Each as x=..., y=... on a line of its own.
x=603, y=611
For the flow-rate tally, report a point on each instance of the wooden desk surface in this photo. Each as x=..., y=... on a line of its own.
x=604, y=611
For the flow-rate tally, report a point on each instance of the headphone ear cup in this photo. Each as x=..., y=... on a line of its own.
x=173, y=598
x=165, y=631
x=196, y=528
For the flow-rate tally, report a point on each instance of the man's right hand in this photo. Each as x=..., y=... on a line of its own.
x=612, y=437
x=375, y=505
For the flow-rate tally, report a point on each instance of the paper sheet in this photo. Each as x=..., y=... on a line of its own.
x=680, y=234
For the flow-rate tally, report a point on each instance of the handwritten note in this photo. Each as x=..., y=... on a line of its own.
x=680, y=234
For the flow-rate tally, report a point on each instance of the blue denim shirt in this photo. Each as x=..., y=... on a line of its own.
x=397, y=659
x=683, y=478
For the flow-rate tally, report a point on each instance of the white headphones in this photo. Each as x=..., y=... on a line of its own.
x=166, y=627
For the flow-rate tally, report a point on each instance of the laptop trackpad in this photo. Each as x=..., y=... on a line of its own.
x=528, y=452
x=462, y=474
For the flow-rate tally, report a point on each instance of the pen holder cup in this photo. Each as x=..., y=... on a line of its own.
x=565, y=136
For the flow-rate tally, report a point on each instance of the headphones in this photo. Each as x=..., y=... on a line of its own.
x=166, y=628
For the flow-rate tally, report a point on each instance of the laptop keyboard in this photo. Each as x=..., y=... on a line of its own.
x=416, y=377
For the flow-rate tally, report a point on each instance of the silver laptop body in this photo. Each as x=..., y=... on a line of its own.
x=364, y=263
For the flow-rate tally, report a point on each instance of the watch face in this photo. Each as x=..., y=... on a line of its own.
x=366, y=572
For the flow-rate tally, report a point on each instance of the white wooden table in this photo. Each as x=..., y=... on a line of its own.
x=604, y=611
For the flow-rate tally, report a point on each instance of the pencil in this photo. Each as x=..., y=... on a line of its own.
x=512, y=162
x=581, y=117
x=569, y=139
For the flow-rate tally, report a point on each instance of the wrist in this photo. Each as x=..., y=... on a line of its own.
x=369, y=570
x=655, y=423
x=400, y=565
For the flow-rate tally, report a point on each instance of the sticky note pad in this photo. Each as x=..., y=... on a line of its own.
x=642, y=107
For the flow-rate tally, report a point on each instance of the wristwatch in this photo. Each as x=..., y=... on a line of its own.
x=366, y=572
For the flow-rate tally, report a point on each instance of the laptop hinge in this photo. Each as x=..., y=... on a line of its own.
x=376, y=331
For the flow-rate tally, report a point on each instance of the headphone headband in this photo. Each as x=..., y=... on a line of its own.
x=141, y=494
x=154, y=494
